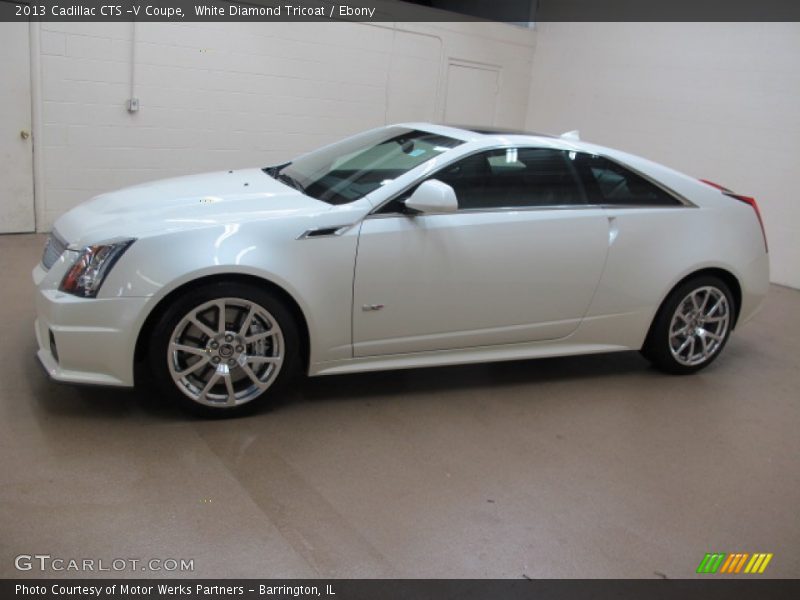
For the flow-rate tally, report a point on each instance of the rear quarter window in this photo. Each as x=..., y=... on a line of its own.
x=607, y=182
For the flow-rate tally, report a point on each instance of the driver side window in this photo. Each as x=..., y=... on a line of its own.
x=510, y=178
x=515, y=178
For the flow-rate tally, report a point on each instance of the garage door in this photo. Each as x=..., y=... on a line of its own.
x=16, y=158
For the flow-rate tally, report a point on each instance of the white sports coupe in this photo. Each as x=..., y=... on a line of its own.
x=410, y=245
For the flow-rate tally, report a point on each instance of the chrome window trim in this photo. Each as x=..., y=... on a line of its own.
x=683, y=201
x=511, y=209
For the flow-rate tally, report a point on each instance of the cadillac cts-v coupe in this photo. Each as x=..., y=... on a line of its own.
x=410, y=245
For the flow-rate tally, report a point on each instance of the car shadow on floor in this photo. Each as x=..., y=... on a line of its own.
x=452, y=379
x=104, y=403
x=95, y=401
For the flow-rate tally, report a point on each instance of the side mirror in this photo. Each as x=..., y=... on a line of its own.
x=431, y=197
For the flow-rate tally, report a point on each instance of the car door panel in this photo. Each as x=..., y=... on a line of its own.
x=475, y=278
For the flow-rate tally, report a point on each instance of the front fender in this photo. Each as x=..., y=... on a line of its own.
x=316, y=272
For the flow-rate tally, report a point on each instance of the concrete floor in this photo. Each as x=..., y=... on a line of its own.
x=578, y=467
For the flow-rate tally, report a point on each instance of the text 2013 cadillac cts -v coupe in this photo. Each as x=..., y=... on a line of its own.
x=405, y=246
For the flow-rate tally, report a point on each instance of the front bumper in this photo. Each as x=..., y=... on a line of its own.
x=84, y=340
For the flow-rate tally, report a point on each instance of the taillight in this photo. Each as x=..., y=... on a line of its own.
x=722, y=189
x=747, y=200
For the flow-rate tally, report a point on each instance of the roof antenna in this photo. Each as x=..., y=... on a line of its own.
x=574, y=135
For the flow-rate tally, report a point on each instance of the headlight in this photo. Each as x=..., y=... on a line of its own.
x=86, y=275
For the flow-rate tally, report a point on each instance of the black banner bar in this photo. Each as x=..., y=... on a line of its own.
x=518, y=11
x=710, y=588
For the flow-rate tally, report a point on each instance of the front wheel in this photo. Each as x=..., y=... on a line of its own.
x=223, y=348
x=692, y=326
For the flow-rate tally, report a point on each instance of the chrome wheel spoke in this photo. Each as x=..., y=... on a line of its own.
x=715, y=307
x=188, y=349
x=231, y=401
x=705, y=301
x=202, y=327
x=211, y=383
x=259, y=336
x=253, y=377
x=220, y=304
x=704, y=343
x=247, y=321
x=684, y=345
x=191, y=369
x=264, y=359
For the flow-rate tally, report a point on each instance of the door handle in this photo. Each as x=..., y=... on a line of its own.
x=613, y=230
x=24, y=134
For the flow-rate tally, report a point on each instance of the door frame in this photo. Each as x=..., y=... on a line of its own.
x=31, y=121
x=470, y=64
x=37, y=129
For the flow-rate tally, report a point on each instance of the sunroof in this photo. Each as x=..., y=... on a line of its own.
x=502, y=130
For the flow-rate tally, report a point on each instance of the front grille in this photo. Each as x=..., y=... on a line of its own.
x=53, y=250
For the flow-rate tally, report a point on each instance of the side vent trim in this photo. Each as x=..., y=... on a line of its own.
x=320, y=232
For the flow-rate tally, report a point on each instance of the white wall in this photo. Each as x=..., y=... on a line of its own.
x=719, y=101
x=226, y=95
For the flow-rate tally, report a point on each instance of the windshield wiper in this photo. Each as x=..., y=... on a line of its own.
x=289, y=180
x=275, y=173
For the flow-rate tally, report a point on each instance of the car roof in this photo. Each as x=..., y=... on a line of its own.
x=495, y=134
x=503, y=131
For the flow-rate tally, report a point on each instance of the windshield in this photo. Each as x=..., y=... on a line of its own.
x=350, y=169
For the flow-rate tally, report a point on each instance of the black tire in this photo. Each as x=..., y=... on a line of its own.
x=237, y=298
x=665, y=338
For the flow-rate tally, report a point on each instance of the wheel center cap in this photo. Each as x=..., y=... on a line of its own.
x=226, y=350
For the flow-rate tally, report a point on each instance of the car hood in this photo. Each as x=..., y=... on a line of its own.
x=182, y=203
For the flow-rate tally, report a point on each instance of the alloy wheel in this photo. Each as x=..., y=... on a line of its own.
x=699, y=326
x=225, y=352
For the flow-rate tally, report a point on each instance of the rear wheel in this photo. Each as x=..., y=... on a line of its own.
x=224, y=348
x=692, y=326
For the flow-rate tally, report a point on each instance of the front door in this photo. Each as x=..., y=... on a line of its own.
x=519, y=261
